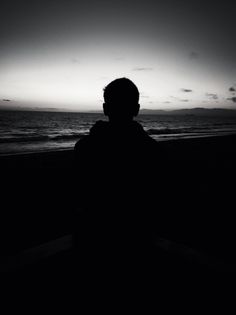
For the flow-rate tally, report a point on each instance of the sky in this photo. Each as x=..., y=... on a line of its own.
x=58, y=54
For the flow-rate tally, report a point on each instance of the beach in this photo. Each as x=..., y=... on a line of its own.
x=196, y=206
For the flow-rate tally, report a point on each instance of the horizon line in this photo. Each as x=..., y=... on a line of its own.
x=64, y=110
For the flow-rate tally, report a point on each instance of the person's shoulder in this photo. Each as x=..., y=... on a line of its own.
x=145, y=136
x=150, y=140
x=81, y=143
x=97, y=130
x=154, y=147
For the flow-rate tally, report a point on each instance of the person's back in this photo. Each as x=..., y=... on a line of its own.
x=115, y=164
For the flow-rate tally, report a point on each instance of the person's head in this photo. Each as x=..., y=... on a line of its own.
x=121, y=100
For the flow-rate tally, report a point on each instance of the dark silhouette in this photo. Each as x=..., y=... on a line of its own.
x=115, y=168
x=117, y=153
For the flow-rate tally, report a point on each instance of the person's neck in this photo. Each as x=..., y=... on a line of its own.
x=121, y=122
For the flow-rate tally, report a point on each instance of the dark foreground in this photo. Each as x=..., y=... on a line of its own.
x=195, y=228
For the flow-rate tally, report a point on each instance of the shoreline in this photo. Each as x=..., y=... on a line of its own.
x=162, y=138
x=186, y=139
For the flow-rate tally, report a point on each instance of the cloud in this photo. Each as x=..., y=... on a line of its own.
x=167, y=102
x=142, y=69
x=6, y=100
x=233, y=99
x=185, y=100
x=232, y=89
x=193, y=55
x=212, y=96
x=186, y=90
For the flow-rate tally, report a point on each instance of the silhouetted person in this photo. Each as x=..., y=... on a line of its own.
x=115, y=170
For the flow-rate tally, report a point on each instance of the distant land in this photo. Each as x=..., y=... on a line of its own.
x=197, y=111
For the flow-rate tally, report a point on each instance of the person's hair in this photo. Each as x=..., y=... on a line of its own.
x=121, y=97
x=121, y=89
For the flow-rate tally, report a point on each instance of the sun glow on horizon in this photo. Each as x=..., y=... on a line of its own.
x=76, y=80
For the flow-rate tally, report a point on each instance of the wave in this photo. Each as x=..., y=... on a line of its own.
x=174, y=132
x=67, y=137
x=23, y=139
x=40, y=138
x=165, y=131
x=198, y=130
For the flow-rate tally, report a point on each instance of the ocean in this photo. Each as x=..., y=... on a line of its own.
x=34, y=131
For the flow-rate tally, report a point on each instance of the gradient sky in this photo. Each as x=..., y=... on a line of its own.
x=61, y=54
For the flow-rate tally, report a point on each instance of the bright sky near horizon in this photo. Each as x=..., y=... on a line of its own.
x=61, y=54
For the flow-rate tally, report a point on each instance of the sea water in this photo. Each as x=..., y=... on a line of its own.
x=34, y=131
